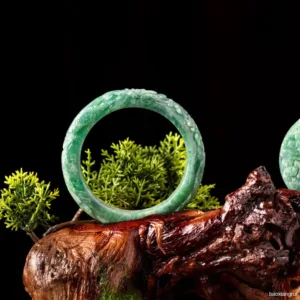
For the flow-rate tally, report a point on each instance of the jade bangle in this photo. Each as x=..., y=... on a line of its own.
x=101, y=107
x=289, y=160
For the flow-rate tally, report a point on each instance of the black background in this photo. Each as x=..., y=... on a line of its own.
x=233, y=66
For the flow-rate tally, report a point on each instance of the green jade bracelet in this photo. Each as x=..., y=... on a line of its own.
x=289, y=159
x=101, y=107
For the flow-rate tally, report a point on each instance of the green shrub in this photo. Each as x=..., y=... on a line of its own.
x=137, y=177
x=25, y=203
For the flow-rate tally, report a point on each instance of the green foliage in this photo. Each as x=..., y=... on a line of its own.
x=109, y=293
x=106, y=295
x=137, y=177
x=24, y=204
x=203, y=199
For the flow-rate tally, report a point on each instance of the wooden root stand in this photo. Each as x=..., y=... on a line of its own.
x=245, y=250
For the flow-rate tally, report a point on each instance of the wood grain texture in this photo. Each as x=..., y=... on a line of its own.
x=245, y=250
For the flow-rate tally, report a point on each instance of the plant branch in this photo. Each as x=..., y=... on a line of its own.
x=68, y=224
x=77, y=215
x=33, y=236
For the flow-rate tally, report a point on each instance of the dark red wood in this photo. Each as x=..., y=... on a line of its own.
x=245, y=250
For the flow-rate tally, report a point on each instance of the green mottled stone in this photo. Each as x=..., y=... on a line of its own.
x=106, y=104
x=289, y=160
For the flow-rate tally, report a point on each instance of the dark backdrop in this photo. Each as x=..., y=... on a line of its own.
x=233, y=66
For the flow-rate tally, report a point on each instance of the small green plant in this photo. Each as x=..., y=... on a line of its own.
x=137, y=177
x=25, y=203
x=133, y=177
x=204, y=200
